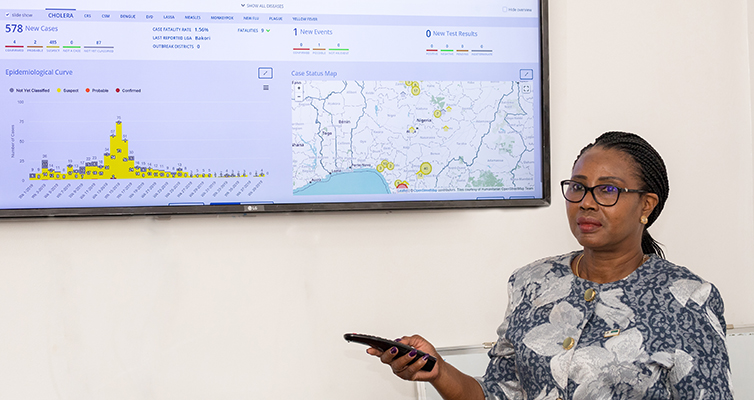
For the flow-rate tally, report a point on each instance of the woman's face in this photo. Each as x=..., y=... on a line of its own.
x=615, y=228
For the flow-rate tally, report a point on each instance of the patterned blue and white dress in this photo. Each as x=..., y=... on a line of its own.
x=659, y=333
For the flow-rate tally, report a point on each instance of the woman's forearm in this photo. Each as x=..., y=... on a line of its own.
x=453, y=384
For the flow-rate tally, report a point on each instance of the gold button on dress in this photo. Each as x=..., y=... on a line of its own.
x=568, y=343
x=590, y=294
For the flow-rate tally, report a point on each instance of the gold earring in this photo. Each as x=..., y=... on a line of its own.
x=643, y=220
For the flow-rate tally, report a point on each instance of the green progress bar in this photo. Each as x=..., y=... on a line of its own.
x=71, y=47
x=338, y=49
x=450, y=50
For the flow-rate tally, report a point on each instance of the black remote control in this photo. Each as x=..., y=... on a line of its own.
x=383, y=344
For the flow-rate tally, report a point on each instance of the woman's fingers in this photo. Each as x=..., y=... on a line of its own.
x=409, y=365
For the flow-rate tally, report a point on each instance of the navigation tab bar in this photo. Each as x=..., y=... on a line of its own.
x=236, y=18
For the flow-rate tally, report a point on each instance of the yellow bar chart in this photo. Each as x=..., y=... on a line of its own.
x=117, y=163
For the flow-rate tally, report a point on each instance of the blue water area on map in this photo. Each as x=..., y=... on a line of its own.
x=360, y=181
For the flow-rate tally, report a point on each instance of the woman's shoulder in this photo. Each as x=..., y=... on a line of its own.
x=560, y=264
x=670, y=272
x=681, y=282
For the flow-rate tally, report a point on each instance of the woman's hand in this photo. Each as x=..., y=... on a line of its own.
x=451, y=383
x=400, y=365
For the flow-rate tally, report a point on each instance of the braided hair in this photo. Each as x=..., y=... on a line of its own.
x=651, y=171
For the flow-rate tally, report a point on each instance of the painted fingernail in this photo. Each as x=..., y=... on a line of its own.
x=412, y=353
x=426, y=357
x=393, y=350
x=398, y=340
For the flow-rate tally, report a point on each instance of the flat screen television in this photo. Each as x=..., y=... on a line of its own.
x=191, y=107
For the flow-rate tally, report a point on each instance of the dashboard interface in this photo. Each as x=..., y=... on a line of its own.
x=166, y=106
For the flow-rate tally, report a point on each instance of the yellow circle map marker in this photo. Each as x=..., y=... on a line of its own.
x=385, y=164
x=438, y=113
x=415, y=90
x=426, y=168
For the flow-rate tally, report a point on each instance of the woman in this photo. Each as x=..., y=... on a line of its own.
x=612, y=321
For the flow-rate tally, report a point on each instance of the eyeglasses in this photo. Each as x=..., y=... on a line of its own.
x=604, y=195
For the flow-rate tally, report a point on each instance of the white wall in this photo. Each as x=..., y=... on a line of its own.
x=255, y=307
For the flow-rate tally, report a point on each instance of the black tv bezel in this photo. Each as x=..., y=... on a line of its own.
x=255, y=208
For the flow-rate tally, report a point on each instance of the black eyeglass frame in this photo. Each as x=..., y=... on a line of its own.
x=588, y=189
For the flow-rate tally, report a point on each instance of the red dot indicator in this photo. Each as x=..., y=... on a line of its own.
x=117, y=90
x=87, y=90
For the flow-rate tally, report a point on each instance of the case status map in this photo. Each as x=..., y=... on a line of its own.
x=412, y=136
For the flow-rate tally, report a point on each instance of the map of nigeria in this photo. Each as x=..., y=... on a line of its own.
x=370, y=137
